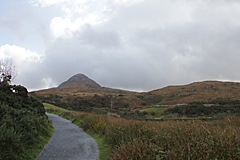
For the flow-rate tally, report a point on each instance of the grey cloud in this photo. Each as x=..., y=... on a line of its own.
x=152, y=44
x=99, y=38
x=148, y=58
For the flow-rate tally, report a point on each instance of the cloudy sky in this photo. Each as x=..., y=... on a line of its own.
x=130, y=44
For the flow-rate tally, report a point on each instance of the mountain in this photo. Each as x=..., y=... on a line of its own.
x=83, y=94
x=80, y=85
x=79, y=81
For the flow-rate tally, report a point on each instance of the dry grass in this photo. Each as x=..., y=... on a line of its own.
x=178, y=140
x=199, y=91
x=130, y=139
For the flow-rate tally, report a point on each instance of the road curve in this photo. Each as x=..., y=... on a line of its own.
x=68, y=142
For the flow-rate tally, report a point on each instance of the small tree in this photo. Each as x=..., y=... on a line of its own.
x=6, y=74
x=6, y=71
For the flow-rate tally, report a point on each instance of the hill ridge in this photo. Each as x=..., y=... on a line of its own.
x=204, y=91
x=199, y=91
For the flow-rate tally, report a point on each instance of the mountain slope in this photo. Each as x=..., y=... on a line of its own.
x=81, y=86
x=198, y=91
x=79, y=81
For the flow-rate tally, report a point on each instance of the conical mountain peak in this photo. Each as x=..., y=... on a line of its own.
x=80, y=81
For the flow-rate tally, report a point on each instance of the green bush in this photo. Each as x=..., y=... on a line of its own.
x=196, y=110
x=22, y=122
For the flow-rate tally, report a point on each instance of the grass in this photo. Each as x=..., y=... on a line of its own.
x=123, y=139
x=34, y=151
x=50, y=106
x=159, y=111
x=104, y=148
x=174, y=140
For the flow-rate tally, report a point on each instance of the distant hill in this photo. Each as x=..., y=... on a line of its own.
x=198, y=91
x=80, y=85
x=83, y=94
x=79, y=81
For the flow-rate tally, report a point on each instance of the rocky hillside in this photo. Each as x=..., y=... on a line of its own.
x=79, y=81
x=80, y=85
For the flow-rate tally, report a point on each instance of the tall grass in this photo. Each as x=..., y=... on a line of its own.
x=130, y=139
x=180, y=140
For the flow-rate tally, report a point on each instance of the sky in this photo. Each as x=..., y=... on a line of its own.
x=138, y=45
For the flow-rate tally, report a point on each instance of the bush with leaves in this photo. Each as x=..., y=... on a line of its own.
x=23, y=122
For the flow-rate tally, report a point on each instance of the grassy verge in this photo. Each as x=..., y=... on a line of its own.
x=48, y=106
x=35, y=150
x=105, y=150
x=75, y=117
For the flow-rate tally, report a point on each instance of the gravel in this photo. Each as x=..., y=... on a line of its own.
x=69, y=142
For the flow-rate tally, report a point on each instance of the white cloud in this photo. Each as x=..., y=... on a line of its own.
x=26, y=63
x=46, y=3
x=19, y=55
x=65, y=27
x=61, y=27
x=150, y=44
x=125, y=2
x=48, y=82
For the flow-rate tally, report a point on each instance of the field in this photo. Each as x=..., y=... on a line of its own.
x=156, y=112
x=131, y=139
x=50, y=106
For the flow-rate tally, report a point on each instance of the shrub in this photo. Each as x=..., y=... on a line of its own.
x=22, y=123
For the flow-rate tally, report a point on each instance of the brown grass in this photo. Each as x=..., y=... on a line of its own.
x=130, y=139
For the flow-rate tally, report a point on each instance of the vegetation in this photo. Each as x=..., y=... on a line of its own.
x=24, y=127
x=212, y=110
x=198, y=91
x=206, y=92
x=152, y=112
x=130, y=139
x=224, y=98
x=95, y=103
x=122, y=105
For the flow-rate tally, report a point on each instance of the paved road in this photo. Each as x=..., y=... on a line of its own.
x=68, y=142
